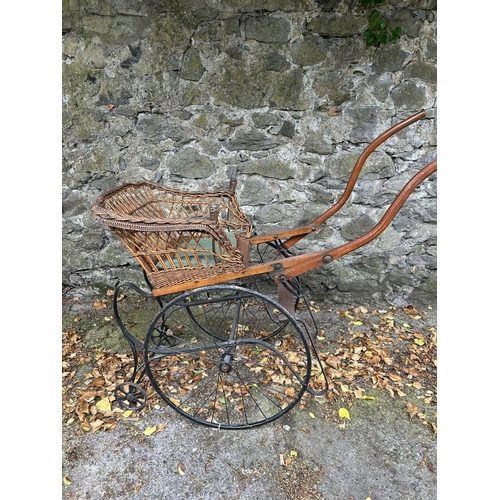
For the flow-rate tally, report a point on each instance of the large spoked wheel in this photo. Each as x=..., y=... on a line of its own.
x=239, y=359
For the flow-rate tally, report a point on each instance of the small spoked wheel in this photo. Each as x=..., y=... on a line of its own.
x=130, y=396
x=237, y=358
x=162, y=335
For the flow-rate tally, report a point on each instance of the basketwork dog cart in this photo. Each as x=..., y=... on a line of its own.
x=220, y=351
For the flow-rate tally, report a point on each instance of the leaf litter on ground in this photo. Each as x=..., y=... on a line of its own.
x=385, y=350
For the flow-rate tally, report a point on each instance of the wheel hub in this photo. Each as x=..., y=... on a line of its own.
x=225, y=367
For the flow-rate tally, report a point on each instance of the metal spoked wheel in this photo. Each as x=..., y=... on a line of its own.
x=239, y=359
x=130, y=396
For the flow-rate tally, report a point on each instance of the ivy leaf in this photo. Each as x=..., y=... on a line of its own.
x=395, y=34
x=374, y=21
x=382, y=37
x=369, y=38
x=378, y=30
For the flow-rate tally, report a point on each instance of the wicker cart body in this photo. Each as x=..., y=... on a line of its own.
x=177, y=237
x=204, y=351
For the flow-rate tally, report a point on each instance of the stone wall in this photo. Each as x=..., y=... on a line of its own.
x=283, y=91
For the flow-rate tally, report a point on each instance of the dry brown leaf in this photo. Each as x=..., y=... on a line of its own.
x=99, y=304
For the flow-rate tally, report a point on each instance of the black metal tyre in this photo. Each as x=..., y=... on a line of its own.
x=235, y=363
x=130, y=396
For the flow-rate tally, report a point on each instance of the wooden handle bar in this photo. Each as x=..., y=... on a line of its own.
x=355, y=173
x=314, y=260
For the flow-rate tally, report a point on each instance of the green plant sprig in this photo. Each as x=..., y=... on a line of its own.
x=378, y=32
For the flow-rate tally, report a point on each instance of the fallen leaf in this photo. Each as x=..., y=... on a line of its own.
x=293, y=453
x=371, y=398
x=411, y=409
x=181, y=469
x=127, y=413
x=66, y=481
x=149, y=430
x=312, y=415
x=344, y=413
x=103, y=405
x=333, y=111
x=99, y=304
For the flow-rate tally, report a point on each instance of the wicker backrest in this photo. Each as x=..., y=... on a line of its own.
x=176, y=236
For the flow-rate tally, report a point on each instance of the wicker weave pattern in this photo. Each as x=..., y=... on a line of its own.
x=177, y=237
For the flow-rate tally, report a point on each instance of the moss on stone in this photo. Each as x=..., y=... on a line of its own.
x=240, y=87
x=309, y=51
x=288, y=93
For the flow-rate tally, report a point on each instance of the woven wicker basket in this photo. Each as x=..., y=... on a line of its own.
x=177, y=237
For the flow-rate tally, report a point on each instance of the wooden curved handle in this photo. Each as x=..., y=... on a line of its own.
x=355, y=173
x=319, y=258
